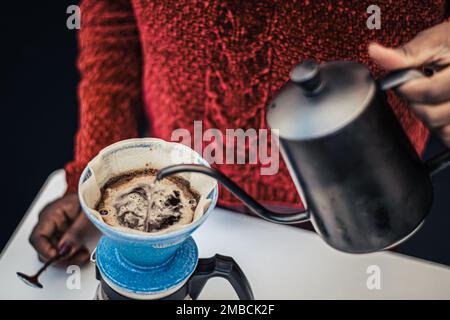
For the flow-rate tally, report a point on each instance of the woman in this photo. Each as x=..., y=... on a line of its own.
x=221, y=62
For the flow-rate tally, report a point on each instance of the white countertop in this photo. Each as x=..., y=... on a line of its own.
x=281, y=262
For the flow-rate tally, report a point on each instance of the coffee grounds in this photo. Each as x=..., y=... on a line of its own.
x=145, y=207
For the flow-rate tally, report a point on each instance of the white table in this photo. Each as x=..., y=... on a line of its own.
x=281, y=262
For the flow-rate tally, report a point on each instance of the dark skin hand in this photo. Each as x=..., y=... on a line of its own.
x=62, y=222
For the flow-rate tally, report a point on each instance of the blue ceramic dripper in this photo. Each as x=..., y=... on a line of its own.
x=142, y=263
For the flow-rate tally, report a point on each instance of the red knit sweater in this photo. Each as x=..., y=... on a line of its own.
x=220, y=62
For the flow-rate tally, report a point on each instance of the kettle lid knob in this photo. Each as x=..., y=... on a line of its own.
x=320, y=98
x=307, y=76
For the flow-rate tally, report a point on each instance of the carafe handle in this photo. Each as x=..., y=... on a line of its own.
x=219, y=266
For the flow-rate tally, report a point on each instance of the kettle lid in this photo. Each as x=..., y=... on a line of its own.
x=320, y=99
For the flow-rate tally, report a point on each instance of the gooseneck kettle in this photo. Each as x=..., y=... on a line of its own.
x=364, y=186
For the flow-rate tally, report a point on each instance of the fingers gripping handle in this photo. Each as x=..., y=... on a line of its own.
x=396, y=79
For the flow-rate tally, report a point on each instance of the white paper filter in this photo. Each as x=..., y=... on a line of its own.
x=138, y=154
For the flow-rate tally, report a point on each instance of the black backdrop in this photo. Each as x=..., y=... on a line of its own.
x=38, y=101
x=39, y=112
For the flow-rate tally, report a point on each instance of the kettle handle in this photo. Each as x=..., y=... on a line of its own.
x=220, y=266
x=394, y=80
x=397, y=78
x=252, y=204
x=438, y=163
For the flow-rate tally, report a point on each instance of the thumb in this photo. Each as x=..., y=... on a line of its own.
x=428, y=47
x=399, y=58
x=74, y=237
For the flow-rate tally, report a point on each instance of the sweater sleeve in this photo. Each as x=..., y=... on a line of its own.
x=109, y=91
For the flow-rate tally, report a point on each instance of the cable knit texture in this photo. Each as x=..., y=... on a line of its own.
x=220, y=62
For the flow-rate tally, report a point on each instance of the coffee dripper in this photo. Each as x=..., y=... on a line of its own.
x=149, y=266
x=364, y=185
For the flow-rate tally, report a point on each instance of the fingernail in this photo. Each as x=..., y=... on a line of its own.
x=64, y=249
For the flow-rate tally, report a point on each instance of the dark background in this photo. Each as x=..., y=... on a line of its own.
x=38, y=100
x=39, y=118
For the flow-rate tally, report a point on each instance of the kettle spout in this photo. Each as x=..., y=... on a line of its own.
x=252, y=204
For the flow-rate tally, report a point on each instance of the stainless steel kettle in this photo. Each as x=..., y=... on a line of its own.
x=365, y=187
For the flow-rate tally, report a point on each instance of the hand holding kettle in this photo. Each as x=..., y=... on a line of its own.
x=364, y=185
x=429, y=97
